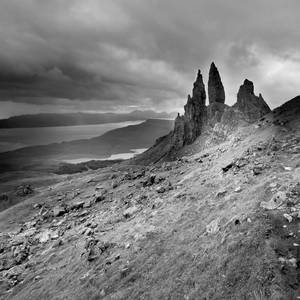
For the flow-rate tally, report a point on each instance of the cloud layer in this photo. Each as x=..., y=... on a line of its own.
x=69, y=55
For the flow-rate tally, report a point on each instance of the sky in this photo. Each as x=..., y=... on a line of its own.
x=123, y=55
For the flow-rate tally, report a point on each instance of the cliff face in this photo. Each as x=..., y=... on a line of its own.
x=216, y=91
x=178, y=132
x=195, y=111
x=189, y=126
x=249, y=104
x=216, y=120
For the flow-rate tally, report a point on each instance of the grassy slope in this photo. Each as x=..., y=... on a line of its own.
x=164, y=247
x=170, y=255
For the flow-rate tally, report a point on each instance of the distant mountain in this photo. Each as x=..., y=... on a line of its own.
x=71, y=119
x=121, y=140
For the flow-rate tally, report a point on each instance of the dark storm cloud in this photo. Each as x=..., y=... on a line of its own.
x=143, y=53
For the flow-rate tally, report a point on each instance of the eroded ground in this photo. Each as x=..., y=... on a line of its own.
x=220, y=224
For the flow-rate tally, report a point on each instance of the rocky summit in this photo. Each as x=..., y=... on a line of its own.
x=216, y=91
x=253, y=107
x=189, y=126
x=212, y=122
x=211, y=211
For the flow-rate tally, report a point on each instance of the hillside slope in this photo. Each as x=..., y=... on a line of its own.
x=221, y=223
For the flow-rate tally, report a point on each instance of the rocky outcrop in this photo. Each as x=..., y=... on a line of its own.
x=212, y=123
x=215, y=112
x=249, y=104
x=189, y=126
x=178, y=132
x=218, y=116
x=216, y=91
x=199, y=95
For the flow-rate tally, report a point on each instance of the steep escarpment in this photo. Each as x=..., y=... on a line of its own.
x=189, y=126
x=216, y=91
x=214, y=122
x=252, y=106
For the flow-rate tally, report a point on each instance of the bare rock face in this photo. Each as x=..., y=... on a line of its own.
x=195, y=111
x=178, y=132
x=214, y=122
x=199, y=95
x=215, y=112
x=189, y=126
x=216, y=91
x=249, y=104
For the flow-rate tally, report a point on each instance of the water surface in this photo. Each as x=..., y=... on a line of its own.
x=14, y=138
x=128, y=155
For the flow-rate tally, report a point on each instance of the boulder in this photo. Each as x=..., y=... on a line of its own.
x=47, y=234
x=129, y=212
x=238, y=189
x=114, y=184
x=24, y=190
x=88, y=203
x=14, y=272
x=58, y=211
x=288, y=217
x=160, y=189
x=150, y=180
x=213, y=226
x=277, y=200
x=44, y=236
x=99, y=197
x=221, y=193
x=77, y=205
x=21, y=253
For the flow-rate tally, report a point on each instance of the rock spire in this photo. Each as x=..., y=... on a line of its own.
x=249, y=104
x=198, y=117
x=189, y=126
x=216, y=91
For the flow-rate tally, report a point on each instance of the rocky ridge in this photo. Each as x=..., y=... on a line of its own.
x=216, y=91
x=215, y=121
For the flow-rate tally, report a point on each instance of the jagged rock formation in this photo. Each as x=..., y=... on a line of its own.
x=212, y=123
x=189, y=126
x=178, y=132
x=194, y=111
x=216, y=91
x=253, y=107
